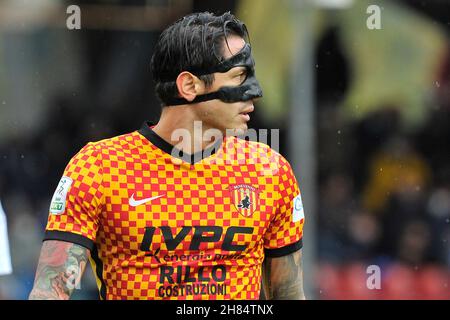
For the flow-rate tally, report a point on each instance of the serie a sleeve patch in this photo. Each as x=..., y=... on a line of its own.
x=58, y=203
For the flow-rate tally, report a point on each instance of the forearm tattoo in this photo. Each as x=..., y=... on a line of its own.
x=283, y=277
x=59, y=271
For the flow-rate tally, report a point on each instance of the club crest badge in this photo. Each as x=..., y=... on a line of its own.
x=245, y=198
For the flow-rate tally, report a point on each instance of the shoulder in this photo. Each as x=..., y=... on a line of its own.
x=124, y=143
x=239, y=143
x=256, y=151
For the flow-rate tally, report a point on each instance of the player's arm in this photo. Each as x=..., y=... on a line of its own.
x=61, y=266
x=283, y=277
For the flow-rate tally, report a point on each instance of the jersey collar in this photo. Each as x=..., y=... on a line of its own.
x=147, y=131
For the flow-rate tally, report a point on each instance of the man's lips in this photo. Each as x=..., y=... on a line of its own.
x=244, y=113
x=248, y=110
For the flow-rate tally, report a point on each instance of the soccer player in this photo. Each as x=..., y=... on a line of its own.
x=167, y=213
x=5, y=258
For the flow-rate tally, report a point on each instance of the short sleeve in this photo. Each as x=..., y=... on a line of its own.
x=77, y=202
x=284, y=234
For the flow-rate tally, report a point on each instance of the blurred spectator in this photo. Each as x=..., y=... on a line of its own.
x=364, y=232
x=336, y=204
x=413, y=243
x=439, y=209
x=397, y=169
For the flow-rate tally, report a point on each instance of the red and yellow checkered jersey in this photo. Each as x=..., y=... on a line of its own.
x=161, y=224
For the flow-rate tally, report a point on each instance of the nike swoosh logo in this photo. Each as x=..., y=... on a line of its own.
x=134, y=203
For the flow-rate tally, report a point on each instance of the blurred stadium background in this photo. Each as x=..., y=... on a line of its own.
x=364, y=118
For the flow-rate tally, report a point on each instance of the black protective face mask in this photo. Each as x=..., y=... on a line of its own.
x=247, y=90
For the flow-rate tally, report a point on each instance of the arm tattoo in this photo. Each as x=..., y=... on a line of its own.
x=59, y=271
x=283, y=277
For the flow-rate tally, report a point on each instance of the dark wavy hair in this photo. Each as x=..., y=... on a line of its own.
x=195, y=41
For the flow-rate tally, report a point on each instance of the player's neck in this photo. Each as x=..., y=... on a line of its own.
x=176, y=124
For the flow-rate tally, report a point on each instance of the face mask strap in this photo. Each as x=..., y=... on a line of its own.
x=225, y=94
x=200, y=98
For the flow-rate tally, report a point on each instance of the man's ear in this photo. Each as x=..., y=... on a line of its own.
x=189, y=86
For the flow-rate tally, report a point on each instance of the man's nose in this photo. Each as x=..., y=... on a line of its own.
x=256, y=99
